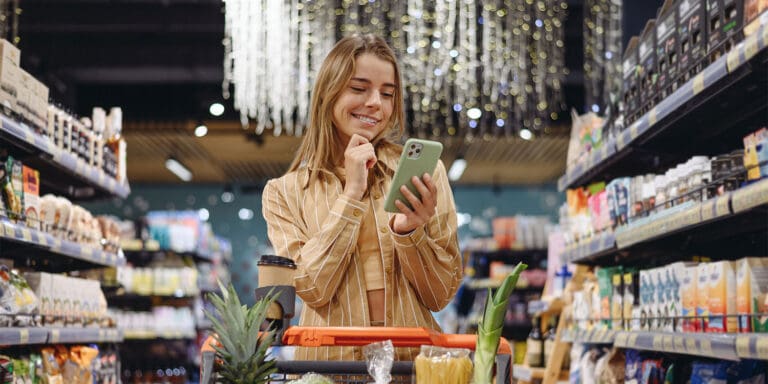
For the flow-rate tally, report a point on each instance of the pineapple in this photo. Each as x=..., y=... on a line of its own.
x=241, y=352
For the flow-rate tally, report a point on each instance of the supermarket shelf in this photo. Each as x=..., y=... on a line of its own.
x=137, y=245
x=602, y=336
x=746, y=209
x=21, y=242
x=84, y=335
x=496, y=283
x=152, y=250
x=718, y=346
x=152, y=335
x=754, y=346
x=598, y=246
x=726, y=97
x=40, y=335
x=23, y=336
x=546, y=306
x=61, y=172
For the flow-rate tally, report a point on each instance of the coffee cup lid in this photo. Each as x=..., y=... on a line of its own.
x=279, y=261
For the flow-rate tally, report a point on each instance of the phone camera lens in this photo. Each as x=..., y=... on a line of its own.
x=413, y=146
x=410, y=153
x=418, y=151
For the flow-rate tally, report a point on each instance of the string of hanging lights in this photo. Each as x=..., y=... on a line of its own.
x=474, y=69
x=602, y=52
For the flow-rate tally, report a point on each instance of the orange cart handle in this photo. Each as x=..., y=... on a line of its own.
x=360, y=336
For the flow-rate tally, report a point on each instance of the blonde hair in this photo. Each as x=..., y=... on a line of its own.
x=319, y=150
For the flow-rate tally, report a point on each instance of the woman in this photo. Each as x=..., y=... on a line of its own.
x=358, y=265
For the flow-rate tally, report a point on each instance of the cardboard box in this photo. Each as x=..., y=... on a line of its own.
x=41, y=284
x=722, y=297
x=9, y=83
x=631, y=88
x=725, y=20
x=646, y=51
x=692, y=34
x=755, y=14
x=32, y=197
x=688, y=295
x=752, y=294
x=702, y=297
x=667, y=48
x=24, y=95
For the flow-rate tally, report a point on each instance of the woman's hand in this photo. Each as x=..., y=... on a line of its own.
x=423, y=210
x=359, y=157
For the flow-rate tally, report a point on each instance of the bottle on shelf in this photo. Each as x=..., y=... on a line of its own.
x=549, y=338
x=535, y=345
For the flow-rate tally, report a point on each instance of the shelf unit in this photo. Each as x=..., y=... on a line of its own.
x=746, y=206
x=707, y=115
x=727, y=94
x=62, y=172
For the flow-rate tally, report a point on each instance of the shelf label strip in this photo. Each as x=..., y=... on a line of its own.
x=23, y=336
x=762, y=347
x=55, y=336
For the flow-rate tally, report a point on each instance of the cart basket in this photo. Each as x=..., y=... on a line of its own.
x=356, y=371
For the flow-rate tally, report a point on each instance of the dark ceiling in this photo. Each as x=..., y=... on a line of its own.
x=162, y=61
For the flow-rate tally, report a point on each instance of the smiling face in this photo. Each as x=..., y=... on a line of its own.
x=365, y=106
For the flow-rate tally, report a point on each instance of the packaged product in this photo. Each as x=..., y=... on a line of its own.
x=51, y=367
x=604, y=281
x=438, y=365
x=688, y=294
x=31, y=197
x=702, y=298
x=722, y=297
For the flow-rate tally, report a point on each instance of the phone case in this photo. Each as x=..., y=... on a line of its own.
x=419, y=157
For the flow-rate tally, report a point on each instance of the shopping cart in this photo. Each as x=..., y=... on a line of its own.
x=356, y=371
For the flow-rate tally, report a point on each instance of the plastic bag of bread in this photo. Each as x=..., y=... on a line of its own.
x=438, y=365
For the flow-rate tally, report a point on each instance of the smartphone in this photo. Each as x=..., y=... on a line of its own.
x=419, y=157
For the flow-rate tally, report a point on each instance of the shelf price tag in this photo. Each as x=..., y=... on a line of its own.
x=55, y=336
x=42, y=239
x=658, y=344
x=102, y=335
x=679, y=344
x=752, y=196
x=29, y=137
x=621, y=340
x=733, y=60
x=652, y=119
x=698, y=83
x=721, y=207
x=26, y=235
x=668, y=345
x=750, y=47
x=705, y=347
x=742, y=346
x=24, y=336
x=690, y=345
x=762, y=347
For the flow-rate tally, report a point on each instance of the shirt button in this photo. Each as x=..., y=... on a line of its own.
x=389, y=316
x=357, y=213
x=376, y=195
x=383, y=229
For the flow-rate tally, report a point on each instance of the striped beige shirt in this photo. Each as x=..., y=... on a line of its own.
x=318, y=228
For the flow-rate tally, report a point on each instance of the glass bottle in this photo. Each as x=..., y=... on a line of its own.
x=535, y=345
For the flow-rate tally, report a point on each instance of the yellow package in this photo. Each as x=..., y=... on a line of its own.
x=722, y=297
x=437, y=365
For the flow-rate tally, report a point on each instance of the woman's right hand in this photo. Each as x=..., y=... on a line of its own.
x=359, y=157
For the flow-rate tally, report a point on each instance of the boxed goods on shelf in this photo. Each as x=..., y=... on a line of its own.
x=667, y=48
x=67, y=300
x=631, y=84
x=9, y=75
x=725, y=20
x=647, y=61
x=693, y=37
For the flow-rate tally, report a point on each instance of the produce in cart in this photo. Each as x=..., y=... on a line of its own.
x=241, y=352
x=490, y=327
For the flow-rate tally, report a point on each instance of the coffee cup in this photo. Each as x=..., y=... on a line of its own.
x=275, y=270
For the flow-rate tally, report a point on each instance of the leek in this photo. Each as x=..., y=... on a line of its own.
x=490, y=327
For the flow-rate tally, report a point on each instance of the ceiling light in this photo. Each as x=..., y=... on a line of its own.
x=245, y=214
x=201, y=130
x=178, y=169
x=526, y=134
x=203, y=214
x=457, y=169
x=216, y=109
x=474, y=113
x=227, y=197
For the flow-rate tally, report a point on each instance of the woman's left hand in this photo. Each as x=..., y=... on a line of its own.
x=423, y=209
